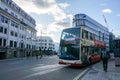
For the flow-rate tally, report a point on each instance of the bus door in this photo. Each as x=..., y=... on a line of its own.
x=84, y=54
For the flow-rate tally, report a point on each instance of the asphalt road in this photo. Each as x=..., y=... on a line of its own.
x=46, y=68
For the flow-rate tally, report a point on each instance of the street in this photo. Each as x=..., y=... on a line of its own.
x=46, y=68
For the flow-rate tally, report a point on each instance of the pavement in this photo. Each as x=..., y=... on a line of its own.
x=97, y=72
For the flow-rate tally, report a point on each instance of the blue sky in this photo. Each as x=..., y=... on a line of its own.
x=54, y=15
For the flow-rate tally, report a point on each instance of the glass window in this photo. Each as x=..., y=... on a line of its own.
x=69, y=43
x=6, y=9
x=86, y=34
x=0, y=41
x=11, y=43
x=2, y=18
x=16, y=25
x=103, y=37
x=1, y=29
x=6, y=20
x=83, y=34
x=71, y=34
x=91, y=36
x=5, y=31
x=16, y=34
x=12, y=13
x=4, y=42
x=15, y=44
x=12, y=23
x=12, y=33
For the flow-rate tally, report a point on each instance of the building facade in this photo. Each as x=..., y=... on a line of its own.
x=45, y=43
x=17, y=31
x=111, y=44
x=100, y=33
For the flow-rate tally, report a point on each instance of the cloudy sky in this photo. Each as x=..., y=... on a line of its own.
x=54, y=15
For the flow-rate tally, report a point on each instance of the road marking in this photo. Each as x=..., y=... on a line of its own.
x=81, y=74
x=46, y=69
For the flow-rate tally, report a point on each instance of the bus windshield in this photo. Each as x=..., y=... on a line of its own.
x=69, y=44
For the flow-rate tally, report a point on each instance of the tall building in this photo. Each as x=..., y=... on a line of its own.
x=45, y=43
x=100, y=33
x=111, y=38
x=17, y=31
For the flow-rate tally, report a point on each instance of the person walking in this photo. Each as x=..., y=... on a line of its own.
x=105, y=57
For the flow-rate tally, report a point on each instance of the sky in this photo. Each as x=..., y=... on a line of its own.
x=52, y=16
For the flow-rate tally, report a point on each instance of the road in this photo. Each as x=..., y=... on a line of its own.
x=46, y=68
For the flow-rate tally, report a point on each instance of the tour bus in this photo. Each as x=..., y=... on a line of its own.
x=80, y=46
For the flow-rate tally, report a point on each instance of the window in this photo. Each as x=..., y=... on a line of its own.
x=12, y=13
x=6, y=9
x=0, y=41
x=91, y=36
x=12, y=23
x=86, y=34
x=6, y=20
x=2, y=18
x=16, y=34
x=11, y=43
x=27, y=46
x=99, y=34
x=16, y=16
x=15, y=44
x=12, y=33
x=1, y=29
x=103, y=36
x=5, y=31
x=16, y=25
x=4, y=42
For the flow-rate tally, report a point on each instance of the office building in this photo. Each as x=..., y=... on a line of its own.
x=17, y=31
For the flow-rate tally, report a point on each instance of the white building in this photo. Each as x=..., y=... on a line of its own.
x=45, y=43
x=17, y=31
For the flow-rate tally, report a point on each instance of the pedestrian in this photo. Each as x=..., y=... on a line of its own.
x=105, y=57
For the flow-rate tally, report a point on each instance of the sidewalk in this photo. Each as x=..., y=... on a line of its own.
x=97, y=73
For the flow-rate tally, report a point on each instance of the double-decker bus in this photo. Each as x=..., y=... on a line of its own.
x=80, y=46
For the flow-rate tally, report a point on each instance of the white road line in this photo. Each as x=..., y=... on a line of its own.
x=46, y=70
x=81, y=74
x=46, y=67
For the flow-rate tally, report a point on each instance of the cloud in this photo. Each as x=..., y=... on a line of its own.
x=54, y=9
x=44, y=7
x=36, y=6
x=107, y=11
x=39, y=29
x=64, y=5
